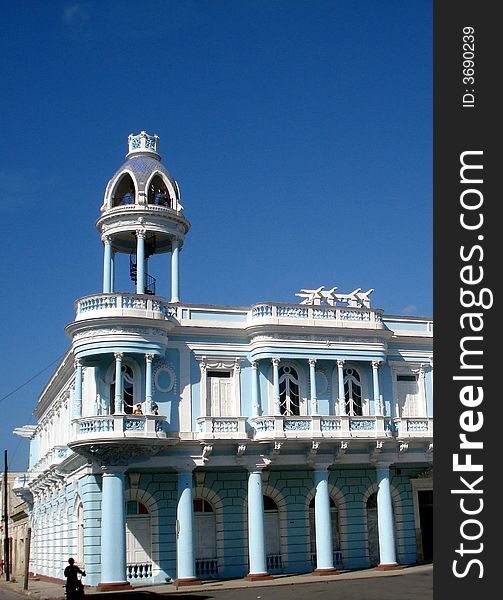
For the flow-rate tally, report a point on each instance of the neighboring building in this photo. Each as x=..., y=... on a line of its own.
x=289, y=437
x=17, y=514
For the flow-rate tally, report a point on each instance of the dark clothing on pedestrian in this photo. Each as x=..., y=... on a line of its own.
x=74, y=586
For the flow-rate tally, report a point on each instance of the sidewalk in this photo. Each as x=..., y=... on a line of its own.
x=44, y=590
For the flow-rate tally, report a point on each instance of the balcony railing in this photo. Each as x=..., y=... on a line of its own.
x=412, y=427
x=341, y=316
x=318, y=426
x=109, y=427
x=123, y=304
x=210, y=428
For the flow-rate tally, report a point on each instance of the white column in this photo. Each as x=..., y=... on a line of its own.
x=342, y=395
x=275, y=383
x=107, y=264
x=375, y=380
x=119, y=399
x=203, y=389
x=323, y=524
x=77, y=404
x=175, y=271
x=237, y=386
x=148, y=382
x=140, y=261
x=255, y=389
x=256, y=535
x=312, y=382
x=387, y=553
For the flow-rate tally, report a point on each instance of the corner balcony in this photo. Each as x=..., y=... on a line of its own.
x=121, y=304
x=321, y=427
x=118, y=437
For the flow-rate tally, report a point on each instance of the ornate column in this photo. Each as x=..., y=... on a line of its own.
x=119, y=398
x=312, y=383
x=107, y=264
x=186, y=568
x=255, y=389
x=148, y=382
x=275, y=383
x=203, y=388
x=342, y=395
x=387, y=555
x=323, y=524
x=113, y=531
x=140, y=261
x=77, y=403
x=256, y=537
x=378, y=409
x=236, y=381
x=175, y=285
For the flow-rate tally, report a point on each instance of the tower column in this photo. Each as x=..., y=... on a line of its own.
x=342, y=395
x=140, y=261
x=148, y=382
x=186, y=568
x=256, y=537
x=175, y=273
x=113, y=533
x=312, y=385
x=119, y=399
x=387, y=554
x=375, y=381
x=275, y=381
x=107, y=265
x=323, y=524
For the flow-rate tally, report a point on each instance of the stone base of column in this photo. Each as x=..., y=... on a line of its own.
x=187, y=581
x=113, y=586
x=332, y=571
x=258, y=576
x=388, y=567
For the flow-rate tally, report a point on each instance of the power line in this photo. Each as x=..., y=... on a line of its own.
x=31, y=378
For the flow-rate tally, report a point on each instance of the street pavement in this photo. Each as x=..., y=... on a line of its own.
x=407, y=583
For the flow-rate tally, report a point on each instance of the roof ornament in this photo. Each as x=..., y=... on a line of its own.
x=320, y=296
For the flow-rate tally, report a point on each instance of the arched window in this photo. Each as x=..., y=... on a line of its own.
x=79, y=522
x=158, y=193
x=138, y=541
x=272, y=535
x=289, y=391
x=124, y=192
x=336, y=538
x=128, y=384
x=373, y=529
x=353, y=392
x=205, y=536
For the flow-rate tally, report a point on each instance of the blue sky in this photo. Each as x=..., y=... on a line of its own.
x=300, y=133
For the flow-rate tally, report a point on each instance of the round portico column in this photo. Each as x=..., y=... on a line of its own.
x=323, y=525
x=175, y=272
x=255, y=389
x=113, y=531
x=148, y=382
x=312, y=385
x=186, y=567
x=119, y=399
x=275, y=382
x=375, y=381
x=342, y=395
x=77, y=401
x=256, y=538
x=107, y=265
x=387, y=554
x=140, y=261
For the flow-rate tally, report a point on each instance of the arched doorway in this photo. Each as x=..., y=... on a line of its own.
x=373, y=530
x=138, y=541
x=205, y=537
x=274, y=560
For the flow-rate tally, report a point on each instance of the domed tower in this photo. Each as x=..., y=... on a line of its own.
x=142, y=216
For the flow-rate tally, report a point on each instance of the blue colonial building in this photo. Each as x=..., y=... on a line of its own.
x=188, y=441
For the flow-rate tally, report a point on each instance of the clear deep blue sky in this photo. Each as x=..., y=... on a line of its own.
x=299, y=131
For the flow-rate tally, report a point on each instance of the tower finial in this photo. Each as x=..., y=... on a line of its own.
x=142, y=143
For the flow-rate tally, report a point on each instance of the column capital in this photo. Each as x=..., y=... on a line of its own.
x=312, y=362
x=340, y=363
x=254, y=364
x=119, y=355
x=141, y=233
x=77, y=362
x=275, y=361
x=149, y=357
x=376, y=364
x=107, y=239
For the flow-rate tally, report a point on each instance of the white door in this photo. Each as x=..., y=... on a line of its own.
x=138, y=539
x=408, y=396
x=221, y=397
